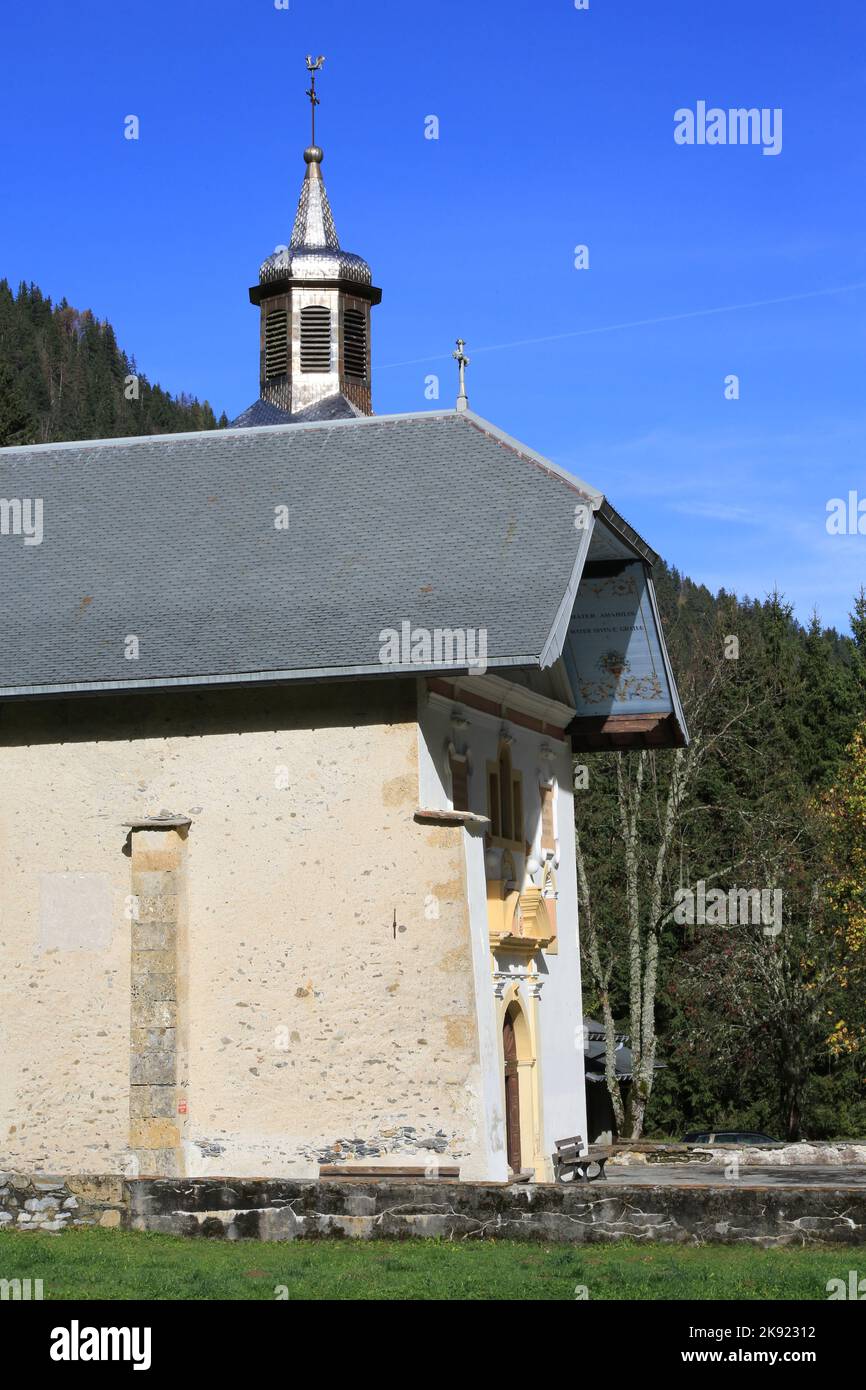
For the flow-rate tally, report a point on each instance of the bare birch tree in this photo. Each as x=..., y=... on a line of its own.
x=653, y=792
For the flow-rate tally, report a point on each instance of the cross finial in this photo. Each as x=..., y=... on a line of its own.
x=462, y=362
x=314, y=66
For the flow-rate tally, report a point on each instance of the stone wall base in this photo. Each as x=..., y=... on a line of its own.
x=46, y=1203
x=286, y=1209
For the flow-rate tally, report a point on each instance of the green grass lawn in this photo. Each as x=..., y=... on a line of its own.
x=90, y=1264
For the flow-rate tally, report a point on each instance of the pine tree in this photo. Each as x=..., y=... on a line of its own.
x=17, y=423
x=63, y=376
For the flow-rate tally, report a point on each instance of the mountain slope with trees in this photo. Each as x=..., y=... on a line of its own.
x=63, y=376
x=757, y=1025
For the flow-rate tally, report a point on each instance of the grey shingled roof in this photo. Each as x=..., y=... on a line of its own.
x=438, y=519
x=261, y=412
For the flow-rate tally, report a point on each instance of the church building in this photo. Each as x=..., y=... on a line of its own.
x=292, y=719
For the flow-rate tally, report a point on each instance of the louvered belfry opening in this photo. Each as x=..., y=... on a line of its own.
x=315, y=338
x=276, y=344
x=355, y=343
x=316, y=355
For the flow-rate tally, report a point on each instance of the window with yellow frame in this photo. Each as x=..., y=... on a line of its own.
x=505, y=800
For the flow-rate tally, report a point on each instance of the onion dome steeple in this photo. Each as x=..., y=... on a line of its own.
x=314, y=252
x=315, y=301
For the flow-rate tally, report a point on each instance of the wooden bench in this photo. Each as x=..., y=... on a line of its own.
x=568, y=1159
x=421, y=1173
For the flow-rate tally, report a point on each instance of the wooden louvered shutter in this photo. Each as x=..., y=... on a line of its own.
x=315, y=338
x=276, y=344
x=355, y=343
x=493, y=809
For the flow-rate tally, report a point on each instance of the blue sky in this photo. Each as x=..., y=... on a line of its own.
x=556, y=129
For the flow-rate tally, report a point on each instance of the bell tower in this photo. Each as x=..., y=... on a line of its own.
x=315, y=299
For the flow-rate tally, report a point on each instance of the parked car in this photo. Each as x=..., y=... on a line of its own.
x=729, y=1137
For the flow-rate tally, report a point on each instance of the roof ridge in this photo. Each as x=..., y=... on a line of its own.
x=125, y=439
x=583, y=489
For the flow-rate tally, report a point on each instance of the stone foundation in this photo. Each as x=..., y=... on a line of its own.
x=43, y=1203
x=283, y=1209
x=786, y=1155
x=628, y=1155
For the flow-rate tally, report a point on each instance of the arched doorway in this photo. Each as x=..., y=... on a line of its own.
x=512, y=1091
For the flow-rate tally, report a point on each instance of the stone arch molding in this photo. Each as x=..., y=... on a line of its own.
x=520, y=994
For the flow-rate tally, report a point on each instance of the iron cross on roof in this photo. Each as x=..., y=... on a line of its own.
x=314, y=66
x=462, y=362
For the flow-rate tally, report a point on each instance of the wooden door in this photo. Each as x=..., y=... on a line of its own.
x=512, y=1094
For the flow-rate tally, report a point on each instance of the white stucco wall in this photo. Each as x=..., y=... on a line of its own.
x=321, y=1000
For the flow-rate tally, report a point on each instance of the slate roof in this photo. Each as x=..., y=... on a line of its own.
x=261, y=412
x=438, y=519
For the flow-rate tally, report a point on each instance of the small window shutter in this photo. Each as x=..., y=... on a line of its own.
x=517, y=802
x=276, y=344
x=506, y=804
x=506, y=814
x=493, y=804
x=459, y=783
x=316, y=338
x=355, y=343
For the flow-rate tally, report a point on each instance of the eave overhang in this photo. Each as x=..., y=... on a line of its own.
x=253, y=678
x=620, y=732
x=605, y=533
x=285, y=283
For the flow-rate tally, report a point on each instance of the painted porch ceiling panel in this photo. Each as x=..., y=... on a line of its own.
x=435, y=519
x=605, y=545
x=613, y=651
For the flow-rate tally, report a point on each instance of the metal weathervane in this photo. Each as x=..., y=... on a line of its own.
x=314, y=66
